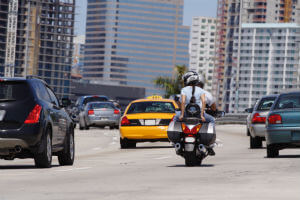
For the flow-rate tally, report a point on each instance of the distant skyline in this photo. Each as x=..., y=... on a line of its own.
x=192, y=8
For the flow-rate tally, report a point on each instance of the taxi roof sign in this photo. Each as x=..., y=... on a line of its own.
x=155, y=97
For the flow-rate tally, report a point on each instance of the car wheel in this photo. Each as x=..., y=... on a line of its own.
x=111, y=127
x=43, y=159
x=86, y=127
x=66, y=156
x=255, y=142
x=116, y=126
x=126, y=144
x=272, y=152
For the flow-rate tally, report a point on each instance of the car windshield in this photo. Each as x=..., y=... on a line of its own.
x=93, y=99
x=13, y=91
x=266, y=103
x=101, y=105
x=288, y=101
x=151, y=107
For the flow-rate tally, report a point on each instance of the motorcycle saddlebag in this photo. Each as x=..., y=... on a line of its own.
x=207, y=134
x=174, y=131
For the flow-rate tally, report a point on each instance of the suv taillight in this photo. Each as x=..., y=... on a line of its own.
x=34, y=115
x=116, y=111
x=125, y=121
x=257, y=119
x=275, y=119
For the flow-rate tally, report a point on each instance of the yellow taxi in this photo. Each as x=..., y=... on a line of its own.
x=146, y=120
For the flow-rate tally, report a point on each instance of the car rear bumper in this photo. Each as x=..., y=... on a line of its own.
x=25, y=137
x=258, y=130
x=102, y=122
x=144, y=132
x=283, y=135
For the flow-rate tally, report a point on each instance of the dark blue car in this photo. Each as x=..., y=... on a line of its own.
x=283, y=124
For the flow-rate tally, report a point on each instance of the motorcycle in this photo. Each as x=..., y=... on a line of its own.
x=193, y=139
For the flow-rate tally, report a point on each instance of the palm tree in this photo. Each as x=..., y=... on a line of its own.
x=172, y=85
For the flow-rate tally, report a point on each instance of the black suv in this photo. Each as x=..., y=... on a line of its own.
x=33, y=124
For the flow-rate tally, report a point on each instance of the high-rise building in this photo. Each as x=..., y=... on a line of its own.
x=202, y=48
x=269, y=62
x=231, y=14
x=130, y=42
x=78, y=55
x=36, y=38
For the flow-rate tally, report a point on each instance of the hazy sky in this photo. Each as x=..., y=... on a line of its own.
x=192, y=8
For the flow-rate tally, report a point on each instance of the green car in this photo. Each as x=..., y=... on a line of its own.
x=283, y=124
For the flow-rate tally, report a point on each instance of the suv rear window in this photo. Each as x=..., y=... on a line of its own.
x=265, y=104
x=93, y=99
x=13, y=91
x=151, y=107
x=101, y=105
x=288, y=102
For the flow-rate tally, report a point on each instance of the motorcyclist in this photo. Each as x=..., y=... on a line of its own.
x=209, y=99
x=191, y=91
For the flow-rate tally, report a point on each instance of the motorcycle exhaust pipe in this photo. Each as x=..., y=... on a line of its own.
x=18, y=149
x=177, y=147
x=202, y=148
x=213, y=145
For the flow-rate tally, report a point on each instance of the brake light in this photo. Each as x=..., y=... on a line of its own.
x=91, y=112
x=193, y=131
x=125, y=121
x=275, y=119
x=34, y=115
x=116, y=111
x=258, y=119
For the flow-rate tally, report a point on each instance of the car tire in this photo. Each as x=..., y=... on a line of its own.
x=272, y=152
x=66, y=156
x=111, y=127
x=255, y=142
x=43, y=159
x=248, y=132
x=116, y=126
x=126, y=144
x=86, y=127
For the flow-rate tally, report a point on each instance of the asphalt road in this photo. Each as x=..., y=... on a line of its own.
x=153, y=171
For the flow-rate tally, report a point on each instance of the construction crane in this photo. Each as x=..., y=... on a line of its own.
x=287, y=10
x=12, y=22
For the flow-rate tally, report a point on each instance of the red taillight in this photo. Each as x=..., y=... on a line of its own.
x=34, y=115
x=275, y=119
x=125, y=121
x=173, y=118
x=91, y=112
x=194, y=130
x=116, y=111
x=258, y=119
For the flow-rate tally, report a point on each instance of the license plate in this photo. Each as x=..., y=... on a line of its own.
x=149, y=122
x=104, y=118
x=2, y=113
x=190, y=139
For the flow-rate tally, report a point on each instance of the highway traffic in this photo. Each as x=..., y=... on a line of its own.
x=152, y=171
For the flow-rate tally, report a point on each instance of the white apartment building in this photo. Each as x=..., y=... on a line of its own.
x=269, y=62
x=202, y=48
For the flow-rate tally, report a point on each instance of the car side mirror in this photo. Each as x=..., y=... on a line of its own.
x=249, y=110
x=65, y=102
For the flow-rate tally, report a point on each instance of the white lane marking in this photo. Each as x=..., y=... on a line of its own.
x=73, y=169
x=115, y=138
x=162, y=158
x=97, y=148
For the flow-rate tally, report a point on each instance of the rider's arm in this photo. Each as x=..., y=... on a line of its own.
x=203, y=107
x=182, y=106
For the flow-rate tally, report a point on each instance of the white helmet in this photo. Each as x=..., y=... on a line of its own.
x=187, y=75
x=201, y=79
x=192, y=80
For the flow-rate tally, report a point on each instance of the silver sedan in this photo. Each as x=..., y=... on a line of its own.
x=256, y=120
x=99, y=114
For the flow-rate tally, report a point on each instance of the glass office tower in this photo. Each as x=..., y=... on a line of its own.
x=131, y=42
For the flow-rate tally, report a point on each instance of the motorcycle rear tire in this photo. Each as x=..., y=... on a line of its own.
x=192, y=160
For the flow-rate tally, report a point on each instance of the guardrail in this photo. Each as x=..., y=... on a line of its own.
x=233, y=119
